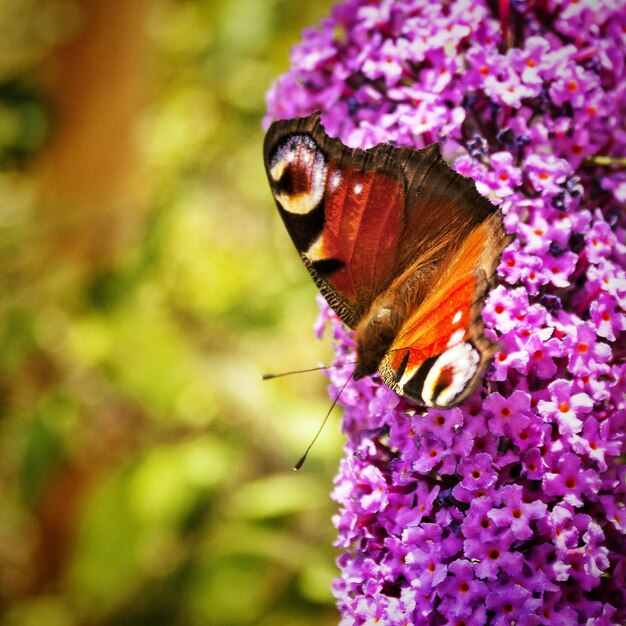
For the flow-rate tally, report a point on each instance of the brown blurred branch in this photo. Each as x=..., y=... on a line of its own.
x=89, y=172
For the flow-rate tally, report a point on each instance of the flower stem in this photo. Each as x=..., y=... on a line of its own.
x=605, y=161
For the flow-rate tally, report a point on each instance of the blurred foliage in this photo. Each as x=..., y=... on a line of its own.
x=145, y=470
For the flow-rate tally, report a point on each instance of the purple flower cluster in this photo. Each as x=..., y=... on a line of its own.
x=509, y=509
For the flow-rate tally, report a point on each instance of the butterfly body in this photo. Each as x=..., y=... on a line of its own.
x=403, y=248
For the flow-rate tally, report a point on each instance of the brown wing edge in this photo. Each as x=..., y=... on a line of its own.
x=347, y=314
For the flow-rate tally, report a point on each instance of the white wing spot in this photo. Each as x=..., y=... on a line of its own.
x=358, y=188
x=456, y=337
x=457, y=317
x=335, y=180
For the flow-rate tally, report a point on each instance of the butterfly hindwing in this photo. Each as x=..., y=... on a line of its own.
x=439, y=354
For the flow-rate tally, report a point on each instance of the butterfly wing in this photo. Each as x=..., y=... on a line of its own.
x=344, y=210
x=439, y=354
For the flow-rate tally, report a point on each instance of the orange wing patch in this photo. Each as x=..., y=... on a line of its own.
x=433, y=360
x=442, y=321
x=438, y=356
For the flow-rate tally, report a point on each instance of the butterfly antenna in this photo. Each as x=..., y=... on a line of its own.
x=312, y=369
x=300, y=463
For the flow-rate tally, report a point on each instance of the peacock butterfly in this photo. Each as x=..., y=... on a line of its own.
x=402, y=247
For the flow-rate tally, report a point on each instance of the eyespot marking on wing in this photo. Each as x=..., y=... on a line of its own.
x=298, y=170
x=411, y=383
x=450, y=374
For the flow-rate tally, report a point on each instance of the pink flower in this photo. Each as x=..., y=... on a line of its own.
x=586, y=353
x=516, y=514
x=546, y=172
x=510, y=415
x=570, y=481
x=564, y=408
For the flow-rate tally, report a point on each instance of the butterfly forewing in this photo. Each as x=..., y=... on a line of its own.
x=363, y=219
x=344, y=210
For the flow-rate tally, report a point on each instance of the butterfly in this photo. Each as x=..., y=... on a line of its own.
x=402, y=247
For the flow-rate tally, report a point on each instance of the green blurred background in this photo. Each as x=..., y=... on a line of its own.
x=147, y=282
